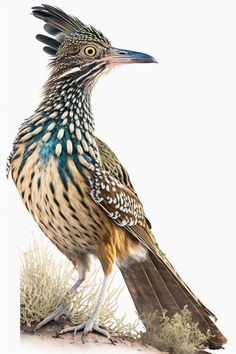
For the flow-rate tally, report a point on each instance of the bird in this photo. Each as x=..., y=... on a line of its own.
x=77, y=190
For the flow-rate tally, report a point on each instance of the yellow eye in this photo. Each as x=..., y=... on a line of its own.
x=90, y=51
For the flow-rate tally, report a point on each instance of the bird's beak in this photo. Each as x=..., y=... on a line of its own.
x=123, y=56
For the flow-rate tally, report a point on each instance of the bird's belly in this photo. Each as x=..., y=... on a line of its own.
x=62, y=208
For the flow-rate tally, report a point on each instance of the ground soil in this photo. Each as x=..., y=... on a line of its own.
x=45, y=340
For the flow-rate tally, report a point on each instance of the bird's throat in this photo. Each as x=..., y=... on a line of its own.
x=70, y=100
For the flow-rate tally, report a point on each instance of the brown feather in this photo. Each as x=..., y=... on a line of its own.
x=154, y=284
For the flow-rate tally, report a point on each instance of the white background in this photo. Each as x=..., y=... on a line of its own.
x=171, y=125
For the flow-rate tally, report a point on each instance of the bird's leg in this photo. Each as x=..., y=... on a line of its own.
x=92, y=323
x=62, y=307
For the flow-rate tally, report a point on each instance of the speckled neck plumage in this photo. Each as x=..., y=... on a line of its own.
x=62, y=125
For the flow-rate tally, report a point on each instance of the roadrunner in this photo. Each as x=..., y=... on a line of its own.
x=77, y=190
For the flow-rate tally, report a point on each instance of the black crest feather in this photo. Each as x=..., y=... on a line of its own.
x=60, y=25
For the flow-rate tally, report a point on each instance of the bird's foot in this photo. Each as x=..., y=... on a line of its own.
x=61, y=309
x=87, y=327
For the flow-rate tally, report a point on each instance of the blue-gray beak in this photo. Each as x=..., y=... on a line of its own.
x=123, y=56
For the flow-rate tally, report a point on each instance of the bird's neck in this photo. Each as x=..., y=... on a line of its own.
x=62, y=126
x=70, y=104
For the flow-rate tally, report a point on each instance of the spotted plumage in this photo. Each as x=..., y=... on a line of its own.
x=75, y=187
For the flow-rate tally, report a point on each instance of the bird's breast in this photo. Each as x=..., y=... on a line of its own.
x=56, y=192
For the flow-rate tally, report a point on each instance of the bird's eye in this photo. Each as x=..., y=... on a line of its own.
x=90, y=51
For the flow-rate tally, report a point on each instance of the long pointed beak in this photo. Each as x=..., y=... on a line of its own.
x=123, y=56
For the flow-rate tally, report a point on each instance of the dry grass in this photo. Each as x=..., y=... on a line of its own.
x=44, y=282
x=177, y=334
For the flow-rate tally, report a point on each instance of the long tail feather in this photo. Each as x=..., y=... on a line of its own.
x=162, y=289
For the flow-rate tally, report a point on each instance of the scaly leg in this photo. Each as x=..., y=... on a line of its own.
x=61, y=309
x=92, y=323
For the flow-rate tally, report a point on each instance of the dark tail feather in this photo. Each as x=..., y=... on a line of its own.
x=155, y=286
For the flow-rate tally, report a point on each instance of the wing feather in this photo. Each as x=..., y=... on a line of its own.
x=112, y=189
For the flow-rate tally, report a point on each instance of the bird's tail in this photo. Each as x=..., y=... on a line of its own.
x=155, y=286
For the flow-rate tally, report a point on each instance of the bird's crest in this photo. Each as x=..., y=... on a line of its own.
x=60, y=26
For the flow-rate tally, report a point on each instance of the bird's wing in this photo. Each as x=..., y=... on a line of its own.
x=112, y=165
x=112, y=190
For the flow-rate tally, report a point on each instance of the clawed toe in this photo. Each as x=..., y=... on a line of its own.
x=53, y=316
x=103, y=332
x=87, y=328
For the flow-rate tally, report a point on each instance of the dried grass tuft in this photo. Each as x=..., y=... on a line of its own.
x=45, y=281
x=178, y=334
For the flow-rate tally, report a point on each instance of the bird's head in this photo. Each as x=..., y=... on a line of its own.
x=79, y=51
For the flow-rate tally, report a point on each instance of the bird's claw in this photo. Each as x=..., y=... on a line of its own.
x=87, y=327
x=60, y=310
